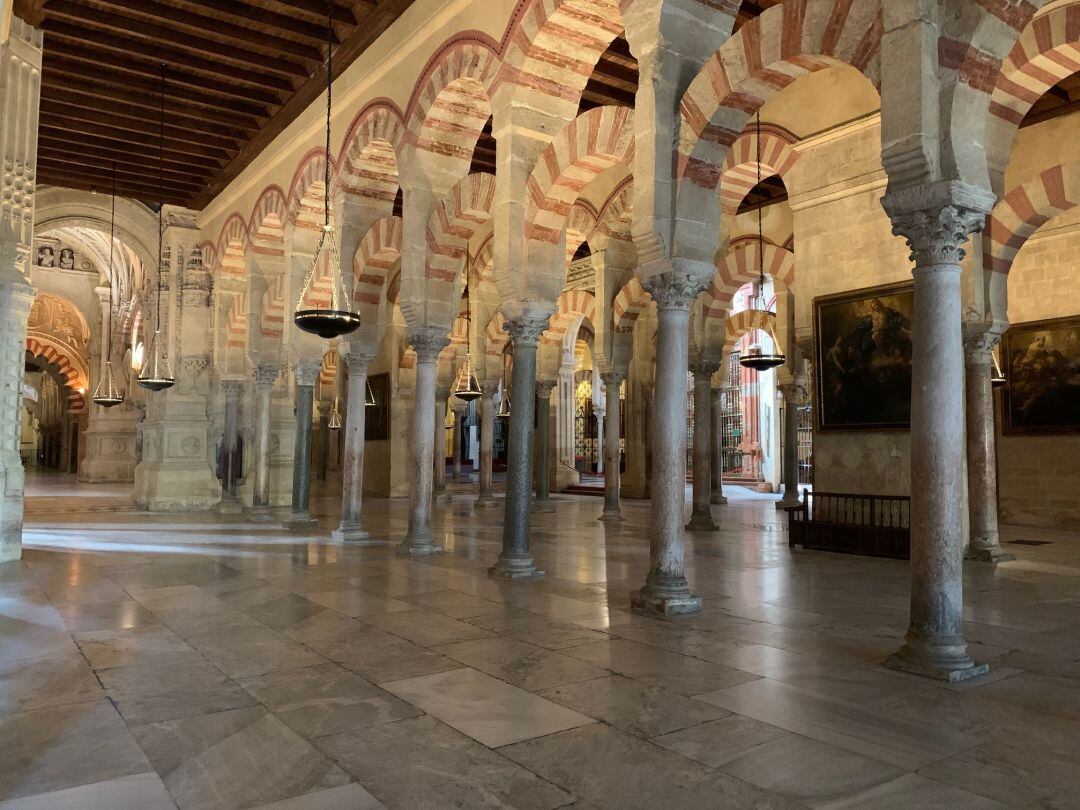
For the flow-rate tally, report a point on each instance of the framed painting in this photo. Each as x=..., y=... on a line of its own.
x=1041, y=362
x=377, y=419
x=863, y=349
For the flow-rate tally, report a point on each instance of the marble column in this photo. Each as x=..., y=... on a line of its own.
x=459, y=416
x=984, y=544
x=792, y=398
x=599, y=442
x=438, y=460
x=487, y=441
x=701, y=519
x=516, y=561
x=230, y=501
x=305, y=373
x=649, y=407
x=935, y=645
x=265, y=377
x=351, y=528
x=427, y=341
x=322, y=449
x=20, y=86
x=542, y=502
x=718, y=447
x=612, y=473
x=666, y=592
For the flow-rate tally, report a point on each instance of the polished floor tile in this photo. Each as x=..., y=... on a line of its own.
x=719, y=741
x=516, y=662
x=346, y=797
x=52, y=680
x=488, y=710
x=144, y=791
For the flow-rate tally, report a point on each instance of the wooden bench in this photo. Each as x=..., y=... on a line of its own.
x=875, y=525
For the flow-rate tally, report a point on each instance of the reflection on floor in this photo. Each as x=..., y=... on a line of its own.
x=202, y=662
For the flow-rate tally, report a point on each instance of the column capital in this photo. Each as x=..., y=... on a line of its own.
x=936, y=219
x=232, y=388
x=306, y=372
x=794, y=393
x=545, y=387
x=265, y=376
x=428, y=341
x=613, y=378
x=525, y=329
x=704, y=368
x=489, y=389
x=676, y=289
x=979, y=345
x=357, y=361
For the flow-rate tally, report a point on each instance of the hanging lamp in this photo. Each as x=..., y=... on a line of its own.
x=339, y=318
x=997, y=376
x=369, y=399
x=156, y=374
x=107, y=394
x=335, y=417
x=504, y=401
x=467, y=387
x=755, y=357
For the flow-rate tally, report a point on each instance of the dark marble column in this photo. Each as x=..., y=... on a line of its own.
x=265, y=377
x=701, y=519
x=793, y=395
x=487, y=442
x=230, y=501
x=438, y=457
x=352, y=470
x=718, y=447
x=305, y=373
x=516, y=559
x=612, y=382
x=542, y=501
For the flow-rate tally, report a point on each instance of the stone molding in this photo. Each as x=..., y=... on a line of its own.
x=427, y=342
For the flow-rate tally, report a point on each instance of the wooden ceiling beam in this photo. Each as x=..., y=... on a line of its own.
x=95, y=60
x=199, y=25
x=210, y=159
x=63, y=122
x=155, y=33
x=128, y=47
x=173, y=179
x=140, y=128
x=266, y=19
x=317, y=8
x=108, y=152
x=49, y=174
x=70, y=74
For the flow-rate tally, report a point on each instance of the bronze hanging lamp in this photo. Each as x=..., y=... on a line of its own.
x=156, y=373
x=369, y=399
x=755, y=357
x=997, y=376
x=107, y=394
x=335, y=417
x=340, y=317
x=467, y=387
x=503, y=411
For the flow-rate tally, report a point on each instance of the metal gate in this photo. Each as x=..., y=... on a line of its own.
x=731, y=420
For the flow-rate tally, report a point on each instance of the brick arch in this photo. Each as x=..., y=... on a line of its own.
x=765, y=56
x=451, y=101
x=746, y=321
x=71, y=367
x=573, y=305
x=305, y=198
x=370, y=153
x=234, y=231
x=266, y=225
x=379, y=251
x=616, y=215
x=236, y=326
x=740, y=173
x=580, y=224
x=495, y=338
x=453, y=222
x=554, y=46
x=630, y=302
x=1047, y=51
x=1024, y=210
x=272, y=309
x=740, y=266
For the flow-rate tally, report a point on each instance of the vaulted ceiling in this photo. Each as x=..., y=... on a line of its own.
x=238, y=72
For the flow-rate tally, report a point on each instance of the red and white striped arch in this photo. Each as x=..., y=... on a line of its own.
x=266, y=225
x=453, y=222
x=630, y=302
x=272, y=311
x=746, y=321
x=450, y=103
x=580, y=224
x=591, y=143
x=380, y=250
x=573, y=306
x=495, y=339
x=305, y=205
x=71, y=367
x=615, y=218
x=554, y=46
x=1047, y=51
x=1024, y=210
x=765, y=56
x=741, y=266
x=740, y=171
x=231, y=245
x=368, y=161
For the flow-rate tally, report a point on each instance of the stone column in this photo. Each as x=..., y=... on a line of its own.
x=322, y=449
x=612, y=381
x=305, y=372
x=701, y=517
x=352, y=470
x=459, y=417
x=542, y=502
x=20, y=85
x=599, y=442
x=650, y=404
x=718, y=447
x=487, y=441
x=438, y=460
x=427, y=341
x=792, y=398
x=265, y=377
x=516, y=559
x=935, y=645
x=984, y=544
x=666, y=592
x=230, y=501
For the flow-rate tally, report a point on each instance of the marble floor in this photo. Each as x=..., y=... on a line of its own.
x=198, y=661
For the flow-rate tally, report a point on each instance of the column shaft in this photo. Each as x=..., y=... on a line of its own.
x=264, y=390
x=438, y=460
x=418, y=542
x=612, y=472
x=718, y=447
x=701, y=518
x=487, y=441
x=791, y=449
x=300, y=516
x=352, y=469
x=459, y=414
x=229, y=475
x=542, y=502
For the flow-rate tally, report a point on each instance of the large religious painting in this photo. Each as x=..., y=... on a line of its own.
x=864, y=358
x=377, y=418
x=1042, y=369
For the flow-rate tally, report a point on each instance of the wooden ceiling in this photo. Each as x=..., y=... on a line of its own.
x=238, y=72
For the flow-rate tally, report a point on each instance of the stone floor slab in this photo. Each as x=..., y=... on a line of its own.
x=720, y=741
x=525, y=665
x=144, y=791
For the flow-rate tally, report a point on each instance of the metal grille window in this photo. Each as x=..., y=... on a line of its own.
x=731, y=425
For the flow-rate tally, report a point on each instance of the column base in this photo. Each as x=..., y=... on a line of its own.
x=351, y=534
x=230, y=506
x=515, y=568
x=942, y=662
x=444, y=497
x=260, y=514
x=702, y=523
x=610, y=517
x=995, y=554
x=543, y=506
x=486, y=503
x=663, y=605
x=417, y=548
x=299, y=521
x=718, y=500
x=784, y=503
